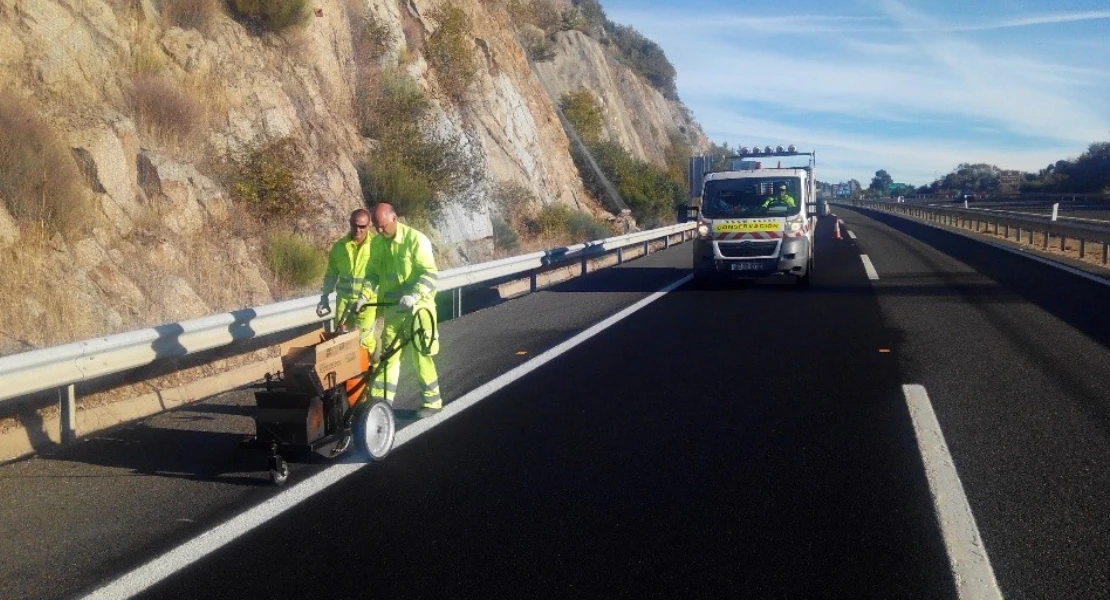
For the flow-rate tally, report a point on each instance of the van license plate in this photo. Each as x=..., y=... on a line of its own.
x=745, y=266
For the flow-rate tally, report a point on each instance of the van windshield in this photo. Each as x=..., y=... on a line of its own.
x=751, y=197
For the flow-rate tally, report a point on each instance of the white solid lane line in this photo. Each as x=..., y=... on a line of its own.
x=162, y=567
x=967, y=557
x=872, y=274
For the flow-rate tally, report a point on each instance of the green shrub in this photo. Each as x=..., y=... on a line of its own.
x=450, y=50
x=537, y=45
x=582, y=227
x=190, y=14
x=373, y=38
x=650, y=191
x=396, y=109
x=512, y=198
x=294, y=261
x=554, y=220
x=162, y=109
x=407, y=190
x=40, y=182
x=267, y=184
x=644, y=56
x=537, y=13
x=583, y=111
x=272, y=15
x=504, y=236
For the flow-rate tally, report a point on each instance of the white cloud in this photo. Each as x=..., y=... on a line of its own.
x=917, y=96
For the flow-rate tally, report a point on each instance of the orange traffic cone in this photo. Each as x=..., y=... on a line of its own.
x=836, y=230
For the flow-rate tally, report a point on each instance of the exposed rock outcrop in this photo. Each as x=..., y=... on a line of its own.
x=166, y=241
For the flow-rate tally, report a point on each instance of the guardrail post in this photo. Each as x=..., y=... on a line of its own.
x=585, y=264
x=533, y=283
x=645, y=248
x=1046, y=239
x=620, y=256
x=1082, y=248
x=1105, y=253
x=1006, y=230
x=666, y=242
x=1063, y=243
x=456, y=302
x=67, y=423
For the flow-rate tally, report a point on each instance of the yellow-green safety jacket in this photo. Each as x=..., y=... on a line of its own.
x=402, y=265
x=346, y=270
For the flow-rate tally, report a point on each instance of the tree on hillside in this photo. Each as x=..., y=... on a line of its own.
x=1090, y=173
x=880, y=183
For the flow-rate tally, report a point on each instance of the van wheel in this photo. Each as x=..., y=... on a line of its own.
x=804, y=280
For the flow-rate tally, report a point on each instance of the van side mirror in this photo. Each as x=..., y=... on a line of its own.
x=687, y=213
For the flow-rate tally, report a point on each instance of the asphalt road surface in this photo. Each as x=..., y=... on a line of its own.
x=748, y=441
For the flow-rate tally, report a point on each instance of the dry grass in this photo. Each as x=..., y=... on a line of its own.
x=191, y=14
x=165, y=110
x=35, y=314
x=1092, y=253
x=40, y=182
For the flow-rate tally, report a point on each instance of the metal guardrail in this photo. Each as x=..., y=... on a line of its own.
x=1024, y=228
x=61, y=367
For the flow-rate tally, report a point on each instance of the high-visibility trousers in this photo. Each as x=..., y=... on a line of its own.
x=423, y=364
x=364, y=321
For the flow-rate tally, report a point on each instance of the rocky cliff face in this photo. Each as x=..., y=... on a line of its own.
x=163, y=240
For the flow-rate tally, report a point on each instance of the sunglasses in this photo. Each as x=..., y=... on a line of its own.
x=357, y=226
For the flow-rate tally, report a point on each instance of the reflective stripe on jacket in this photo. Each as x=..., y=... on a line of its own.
x=346, y=270
x=402, y=265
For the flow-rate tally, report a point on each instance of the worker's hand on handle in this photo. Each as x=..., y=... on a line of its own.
x=324, y=307
x=408, y=301
x=361, y=303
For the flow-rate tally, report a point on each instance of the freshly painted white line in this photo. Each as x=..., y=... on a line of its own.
x=162, y=567
x=872, y=274
x=967, y=556
x=851, y=234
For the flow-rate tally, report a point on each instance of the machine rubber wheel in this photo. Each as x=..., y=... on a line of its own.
x=374, y=427
x=279, y=470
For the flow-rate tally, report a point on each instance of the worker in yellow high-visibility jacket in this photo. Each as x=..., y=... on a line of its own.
x=402, y=269
x=345, y=275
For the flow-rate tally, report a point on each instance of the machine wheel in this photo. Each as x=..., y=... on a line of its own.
x=279, y=470
x=374, y=428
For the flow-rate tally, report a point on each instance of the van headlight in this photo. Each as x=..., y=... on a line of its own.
x=794, y=224
x=703, y=230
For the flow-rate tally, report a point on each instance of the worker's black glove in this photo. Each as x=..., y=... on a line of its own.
x=324, y=307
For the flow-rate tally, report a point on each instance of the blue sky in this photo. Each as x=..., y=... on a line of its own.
x=913, y=87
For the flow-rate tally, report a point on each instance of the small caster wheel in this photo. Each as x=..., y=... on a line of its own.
x=279, y=470
x=342, y=445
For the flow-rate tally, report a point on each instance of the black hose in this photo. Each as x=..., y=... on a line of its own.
x=423, y=332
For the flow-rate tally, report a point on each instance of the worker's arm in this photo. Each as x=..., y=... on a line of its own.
x=425, y=275
x=372, y=276
x=331, y=274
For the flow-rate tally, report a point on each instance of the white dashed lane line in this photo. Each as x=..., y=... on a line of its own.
x=872, y=274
